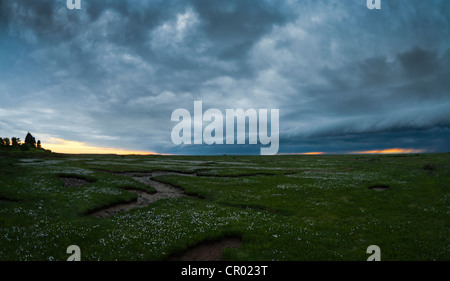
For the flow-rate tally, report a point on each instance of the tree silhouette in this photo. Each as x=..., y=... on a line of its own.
x=6, y=142
x=15, y=141
x=30, y=140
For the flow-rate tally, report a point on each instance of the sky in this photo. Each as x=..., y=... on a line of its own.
x=345, y=79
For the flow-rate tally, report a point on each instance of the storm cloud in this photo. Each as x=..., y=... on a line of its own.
x=345, y=78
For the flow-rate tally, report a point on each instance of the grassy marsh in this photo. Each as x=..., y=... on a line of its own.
x=282, y=207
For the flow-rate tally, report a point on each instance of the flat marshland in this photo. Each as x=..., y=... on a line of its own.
x=326, y=207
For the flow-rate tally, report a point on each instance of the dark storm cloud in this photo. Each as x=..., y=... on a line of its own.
x=344, y=77
x=377, y=96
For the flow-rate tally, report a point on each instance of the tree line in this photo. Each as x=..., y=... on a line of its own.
x=30, y=142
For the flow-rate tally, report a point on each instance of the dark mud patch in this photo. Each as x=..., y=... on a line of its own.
x=111, y=209
x=7, y=200
x=243, y=175
x=143, y=173
x=207, y=251
x=75, y=180
x=380, y=187
x=163, y=190
x=429, y=167
x=162, y=182
x=253, y=207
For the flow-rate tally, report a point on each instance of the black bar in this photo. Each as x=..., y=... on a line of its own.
x=222, y=270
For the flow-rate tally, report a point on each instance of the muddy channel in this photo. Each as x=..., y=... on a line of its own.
x=163, y=191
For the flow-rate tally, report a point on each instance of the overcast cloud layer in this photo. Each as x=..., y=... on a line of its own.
x=344, y=78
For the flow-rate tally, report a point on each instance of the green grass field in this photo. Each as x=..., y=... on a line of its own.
x=282, y=207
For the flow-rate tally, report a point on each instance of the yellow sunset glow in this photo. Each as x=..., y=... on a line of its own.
x=75, y=147
x=305, y=153
x=391, y=151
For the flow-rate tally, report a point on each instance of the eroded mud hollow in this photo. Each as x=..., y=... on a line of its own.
x=73, y=182
x=379, y=187
x=163, y=191
x=6, y=200
x=207, y=251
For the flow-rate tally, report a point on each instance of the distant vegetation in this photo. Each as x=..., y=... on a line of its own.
x=15, y=144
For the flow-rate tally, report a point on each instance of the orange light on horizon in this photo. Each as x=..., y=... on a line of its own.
x=391, y=151
x=74, y=147
x=306, y=153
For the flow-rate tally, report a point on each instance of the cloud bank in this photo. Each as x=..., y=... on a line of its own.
x=344, y=78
